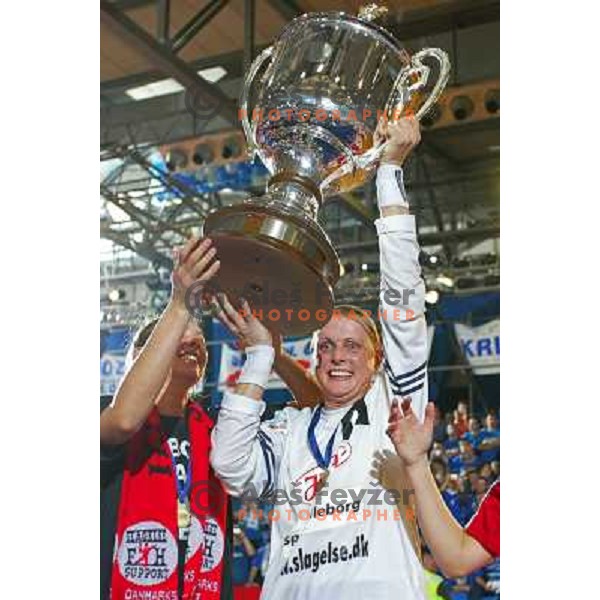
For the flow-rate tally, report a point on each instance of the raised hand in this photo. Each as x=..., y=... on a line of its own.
x=402, y=136
x=242, y=323
x=192, y=268
x=410, y=437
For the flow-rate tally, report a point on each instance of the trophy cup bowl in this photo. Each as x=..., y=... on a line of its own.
x=330, y=77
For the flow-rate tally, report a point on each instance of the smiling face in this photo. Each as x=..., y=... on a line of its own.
x=188, y=364
x=345, y=361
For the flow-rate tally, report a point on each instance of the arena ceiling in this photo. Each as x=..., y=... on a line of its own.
x=204, y=46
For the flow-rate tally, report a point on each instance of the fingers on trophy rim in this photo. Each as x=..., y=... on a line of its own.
x=213, y=269
x=199, y=251
x=189, y=247
x=200, y=263
x=228, y=314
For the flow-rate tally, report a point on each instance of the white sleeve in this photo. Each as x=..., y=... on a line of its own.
x=246, y=455
x=402, y=310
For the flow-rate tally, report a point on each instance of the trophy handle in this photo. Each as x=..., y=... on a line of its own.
x=416, y=75
x=247, y=126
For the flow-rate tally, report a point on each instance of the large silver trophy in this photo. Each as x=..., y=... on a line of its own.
x=330, y=76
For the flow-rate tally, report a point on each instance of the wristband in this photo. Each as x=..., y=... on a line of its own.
x=258, y=365
x=390, y=186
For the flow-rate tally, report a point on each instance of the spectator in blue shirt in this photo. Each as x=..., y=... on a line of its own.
x=486, y=582
x=243, y=552
x=451, y=443
x=252, y=519
x=468, y=457
x=455, y=464
x=489, y=445
x=459, y=503
x=473, y=435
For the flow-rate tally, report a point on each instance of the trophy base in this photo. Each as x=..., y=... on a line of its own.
x=283, y=265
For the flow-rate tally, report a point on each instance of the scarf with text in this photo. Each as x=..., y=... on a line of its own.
x=146, y=547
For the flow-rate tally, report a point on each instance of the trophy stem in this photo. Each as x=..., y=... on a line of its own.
x=295, y=194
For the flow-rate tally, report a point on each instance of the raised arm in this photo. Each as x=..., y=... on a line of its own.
x=147, y=376
x=402, y=299
x=245, y=454
x=456, y=552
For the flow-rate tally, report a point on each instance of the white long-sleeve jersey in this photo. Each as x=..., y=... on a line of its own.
x=348, y=540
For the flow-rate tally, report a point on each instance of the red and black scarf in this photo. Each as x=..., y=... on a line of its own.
x=146, y=561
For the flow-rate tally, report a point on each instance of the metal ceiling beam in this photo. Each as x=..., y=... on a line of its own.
x=232, y=62
x=446, y=17
x=166, y=61
x=163, y=18
x=136, y=214
x=414, y=24
x=131, y=4
x=249, y=26
x=166, y=179
x=185, y=35
x=122, y=239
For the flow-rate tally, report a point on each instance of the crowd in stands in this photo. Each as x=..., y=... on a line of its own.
x=465, y=461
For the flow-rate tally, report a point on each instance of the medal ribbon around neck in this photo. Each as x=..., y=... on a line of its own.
x=322, y=461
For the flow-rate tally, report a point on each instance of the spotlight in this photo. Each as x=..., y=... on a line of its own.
x=433, y=259
x=364, y=267
x=231, y=148
x=462, y=107
x=116, y=295
x=202, y=154
x=492, y=101
x=176, y=159
x=432, y=296
x=432, y=116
